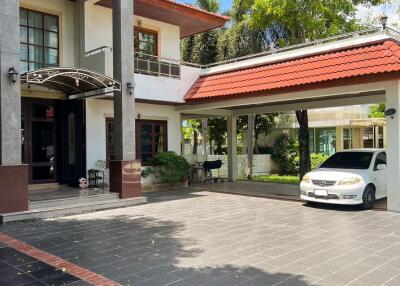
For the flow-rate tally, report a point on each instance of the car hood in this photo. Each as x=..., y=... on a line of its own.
x=335, y=174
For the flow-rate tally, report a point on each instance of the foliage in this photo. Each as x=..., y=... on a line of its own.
x=377, y=110
x=287, y=158
x=217, y=133
x=202, y=48
x=316, y=160
x=278, y=179
x=169, y=168
x=285, y=150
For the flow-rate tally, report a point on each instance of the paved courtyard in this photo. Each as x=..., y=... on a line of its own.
x=207, y=238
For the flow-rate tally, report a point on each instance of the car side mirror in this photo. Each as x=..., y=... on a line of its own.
x=381, y=167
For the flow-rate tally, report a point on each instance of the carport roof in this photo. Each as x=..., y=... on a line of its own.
x=379, y=58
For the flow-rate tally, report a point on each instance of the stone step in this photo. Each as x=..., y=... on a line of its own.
x=71, y=201
x=70, y=209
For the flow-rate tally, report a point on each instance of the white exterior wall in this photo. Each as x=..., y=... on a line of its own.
x=98, y=110
x=98, y=22
x=164, y=88
x=65, y=11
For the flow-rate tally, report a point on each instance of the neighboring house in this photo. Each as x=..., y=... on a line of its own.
x=335, y=129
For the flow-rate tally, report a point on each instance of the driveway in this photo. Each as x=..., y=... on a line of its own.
x=208, y=238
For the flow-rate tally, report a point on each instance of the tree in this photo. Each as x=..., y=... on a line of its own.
x=298, y=21
x=202, y=48
x=217, y=134
x=377, y=110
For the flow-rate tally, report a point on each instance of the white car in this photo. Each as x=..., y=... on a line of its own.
x=351, y=177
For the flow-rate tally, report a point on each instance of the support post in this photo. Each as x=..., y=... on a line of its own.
x=393, y=150
x=204, y=123
x=250, y=143
x=125, y=173
x=232, y=149
x=13, y=174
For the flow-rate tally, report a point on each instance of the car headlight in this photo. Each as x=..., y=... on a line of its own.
x=350, y=181
x=306, y=179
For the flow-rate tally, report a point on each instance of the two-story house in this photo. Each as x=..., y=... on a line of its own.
x=64, y=52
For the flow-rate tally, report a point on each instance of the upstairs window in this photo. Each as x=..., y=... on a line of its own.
x=39, y=39
x=146, y=42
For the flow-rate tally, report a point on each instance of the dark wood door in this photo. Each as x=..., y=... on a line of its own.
x=39, y=140
x=71, y=141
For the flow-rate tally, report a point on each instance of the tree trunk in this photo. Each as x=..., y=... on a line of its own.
x=304, y=144
x=195, y=142
x=250, y=144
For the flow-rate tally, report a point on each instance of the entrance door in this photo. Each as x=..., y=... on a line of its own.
x=39, y=140
x=71, y=144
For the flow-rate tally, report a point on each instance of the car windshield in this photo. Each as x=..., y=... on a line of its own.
x=349, y=160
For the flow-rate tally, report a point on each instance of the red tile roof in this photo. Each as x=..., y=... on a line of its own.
x=378, y=58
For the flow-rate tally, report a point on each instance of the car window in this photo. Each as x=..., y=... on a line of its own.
x=349, y=160
x=380, y=159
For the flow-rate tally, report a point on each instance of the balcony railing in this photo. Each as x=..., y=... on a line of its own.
x=156, y=66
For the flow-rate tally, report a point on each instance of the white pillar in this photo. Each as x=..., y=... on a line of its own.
x=250, y=143
x=204, y=123
x=393, y=147
x=232, y=149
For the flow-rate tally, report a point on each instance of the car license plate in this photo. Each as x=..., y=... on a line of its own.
x=320, y=193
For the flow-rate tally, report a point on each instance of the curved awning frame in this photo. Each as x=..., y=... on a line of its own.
x=74, y=82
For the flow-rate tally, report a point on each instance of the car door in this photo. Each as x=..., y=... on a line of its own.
x=380, y=175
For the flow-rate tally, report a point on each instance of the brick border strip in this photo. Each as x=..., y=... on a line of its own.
x=57, y=262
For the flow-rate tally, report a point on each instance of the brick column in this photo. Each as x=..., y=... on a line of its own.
x=125, y=170
x=13, y=175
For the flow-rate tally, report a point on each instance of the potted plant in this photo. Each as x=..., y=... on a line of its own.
x=169, y=167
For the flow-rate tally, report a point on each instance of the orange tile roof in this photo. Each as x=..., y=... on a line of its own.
x=378, y=58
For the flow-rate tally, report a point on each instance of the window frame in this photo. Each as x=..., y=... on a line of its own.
x=139, y=123
x=43, y=31
x=138, y=30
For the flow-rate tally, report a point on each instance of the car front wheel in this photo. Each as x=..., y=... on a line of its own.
x=368, y=198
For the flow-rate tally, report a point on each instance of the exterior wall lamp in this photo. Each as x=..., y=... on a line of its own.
x=13, y=74
x=384, y=20
x=131, y=87
x=390, y=112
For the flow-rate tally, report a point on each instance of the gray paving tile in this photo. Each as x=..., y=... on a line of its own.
x=203, y=238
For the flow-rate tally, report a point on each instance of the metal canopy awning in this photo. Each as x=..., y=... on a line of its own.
x=74, y=82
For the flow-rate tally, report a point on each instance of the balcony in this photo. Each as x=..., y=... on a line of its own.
x=156, y=78
x=156, y=66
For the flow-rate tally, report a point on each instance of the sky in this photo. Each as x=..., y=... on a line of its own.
x=389, y=9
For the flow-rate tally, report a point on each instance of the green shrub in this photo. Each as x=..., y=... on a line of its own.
x=316, y=160
x=169, y=168
x=285, y=150
x=287, y=157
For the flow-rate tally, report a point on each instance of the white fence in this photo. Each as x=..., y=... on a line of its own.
x=262, y=164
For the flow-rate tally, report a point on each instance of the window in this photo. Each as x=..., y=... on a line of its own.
x=349, y=160
x=368, y=137
x=145, y=41
x=39, y=39
x=325, y=140
x=347, y=139
x=151, y=139
x=380, y=159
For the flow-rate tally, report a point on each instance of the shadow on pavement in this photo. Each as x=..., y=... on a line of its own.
x=139, y=250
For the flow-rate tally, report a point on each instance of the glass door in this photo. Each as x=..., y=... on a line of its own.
x=39, y=140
